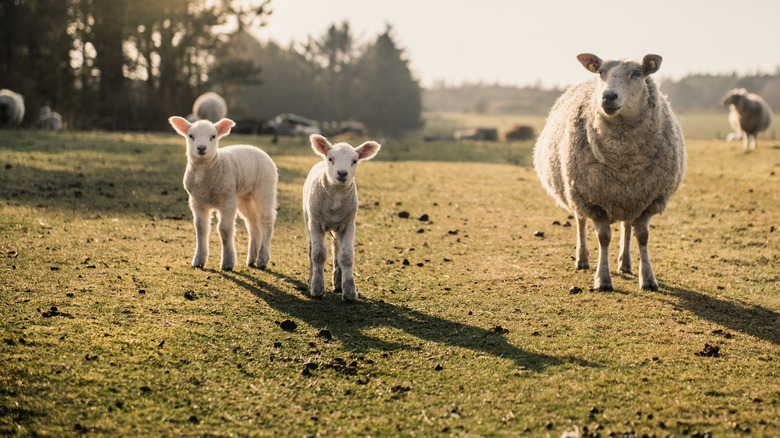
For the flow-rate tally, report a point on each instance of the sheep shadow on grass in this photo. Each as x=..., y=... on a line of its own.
x=348, y=323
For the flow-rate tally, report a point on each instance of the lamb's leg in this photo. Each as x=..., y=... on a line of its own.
x=248, y=210
x=624, y=259
x=582, y=242
x=745, y=141
x=267, y=231
x=227, y=231
x=202, y=219
x=646, y=276
x=318, y=253
x=603, y=281
x=336, y=265
x=346, y=256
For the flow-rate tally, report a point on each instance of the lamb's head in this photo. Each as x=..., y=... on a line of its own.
x=735, y=97
x=202, y=136
x=342, y=158
x=623, y=85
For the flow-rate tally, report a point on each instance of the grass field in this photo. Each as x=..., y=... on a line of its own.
x=465, y=325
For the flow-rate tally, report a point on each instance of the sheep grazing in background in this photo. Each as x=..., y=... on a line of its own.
x=49, y=119
x=749, y=114
x=210, y=106
x=232, y=178
x=612, y=150
x=330, y=203
x=11, y=109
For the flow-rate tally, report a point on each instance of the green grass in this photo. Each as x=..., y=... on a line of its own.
x=477, y=335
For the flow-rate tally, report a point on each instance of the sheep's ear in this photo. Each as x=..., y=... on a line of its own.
x=180, y=124
x=367, y=150
x=223, y=127
x=651, y=64
x=320, y=145
x=590, y=61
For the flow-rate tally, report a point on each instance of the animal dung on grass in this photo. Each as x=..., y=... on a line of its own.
x=612, y=150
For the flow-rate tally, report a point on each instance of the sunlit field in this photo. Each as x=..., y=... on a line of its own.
x=466, y=324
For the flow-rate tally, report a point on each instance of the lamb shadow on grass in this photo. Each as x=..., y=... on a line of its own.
x=348, y=321
x=745, y=318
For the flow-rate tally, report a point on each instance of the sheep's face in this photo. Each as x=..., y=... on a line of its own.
x=622, y=88
x=342, y=158
x=735, y=97
x=202, y=136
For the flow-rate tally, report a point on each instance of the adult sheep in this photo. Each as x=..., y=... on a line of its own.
x=749, y=114
x=210, y=106
x=612, y=150
x=11, y=109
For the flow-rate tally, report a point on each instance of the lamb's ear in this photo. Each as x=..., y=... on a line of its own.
x=651, y=64
x=590, y=61
x=367, y=150
x=223, y=127
x=320, y=144
x=180, y=124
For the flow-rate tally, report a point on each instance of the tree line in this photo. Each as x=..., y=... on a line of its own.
x=130, y=64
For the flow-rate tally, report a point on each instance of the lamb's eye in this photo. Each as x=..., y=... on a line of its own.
x=213, y=137
x=354, y=162
x=330, y=160
x=192, y=137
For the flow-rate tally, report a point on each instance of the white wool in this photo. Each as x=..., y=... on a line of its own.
x=209, y=106
x=234, y=179
x=11, y=109
x=330, y=203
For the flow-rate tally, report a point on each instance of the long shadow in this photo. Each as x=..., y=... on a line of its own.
x=348, y=321
x=746, y=318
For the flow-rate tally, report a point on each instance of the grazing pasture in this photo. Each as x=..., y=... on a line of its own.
x=471, y=321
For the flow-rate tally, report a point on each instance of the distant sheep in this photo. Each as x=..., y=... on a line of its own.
x=749, y=114
x=612, y=150
x=330, y=203
x=48, y=119
x=11, y=109
x=227, y=179
x=210, y=106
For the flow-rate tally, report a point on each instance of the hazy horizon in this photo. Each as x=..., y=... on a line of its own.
x=520, y=44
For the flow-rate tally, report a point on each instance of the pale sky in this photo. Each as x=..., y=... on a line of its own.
x=528, y=42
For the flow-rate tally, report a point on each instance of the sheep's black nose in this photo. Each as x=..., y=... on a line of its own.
x=201, y=150
x=609, y=96
x=342, y=173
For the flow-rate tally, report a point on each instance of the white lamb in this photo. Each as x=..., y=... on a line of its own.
x=330, y=203
x=227, y=179
x=11, y=109
x=210, y=106
x=50, y=120
x=749, y=114
x=612, y=150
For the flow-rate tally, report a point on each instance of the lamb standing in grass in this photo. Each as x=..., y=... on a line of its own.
x=330, y=203
x=749, y=114
x=612, y=150
x=49, y=120
x=210, y=106
x=232, y=178
x=11, y=109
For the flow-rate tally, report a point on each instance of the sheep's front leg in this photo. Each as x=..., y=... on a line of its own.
x=318, y=253
x=346, y=261
x=646, y=277
x=227, y=231
x=336, y=266
x=582, y=242
x=624, y=259
x=202, y=219
x=603, y=281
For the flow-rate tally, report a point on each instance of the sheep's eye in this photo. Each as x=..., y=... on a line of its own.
x=636, y=75
x=192, y=137
x=213, y=137
x=354, y=162
x=330, y=160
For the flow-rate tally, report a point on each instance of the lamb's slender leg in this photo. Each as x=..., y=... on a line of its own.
x=267, y=215
x=624, y=259
x=745, y=141
x=248, y=210
x=336, y=265
x=582, y=242
x=318, y=253
x=202, y=220
x=646, y=276
x=346, y=256
x=227, y=231
x=602, y=280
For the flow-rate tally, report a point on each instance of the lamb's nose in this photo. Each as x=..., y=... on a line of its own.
x=201, y=150
x=609, y=96
x=342, y=174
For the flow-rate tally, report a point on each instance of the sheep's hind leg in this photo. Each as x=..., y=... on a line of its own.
x=624, y=259
x=249, y=212
x=602, y=280
x=336, y=265
x=646, y=277
x=318, y=253
x=202, y=219
x=346, y=256
x=227, y=231
x=582, y=242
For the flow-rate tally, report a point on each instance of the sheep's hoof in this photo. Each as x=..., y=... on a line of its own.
x=625, y=269
x=257, y=266
x=317, y=292
x=349, y=296
x=653, y=286
x=608, y=288
x=581, y=265
x=227, y=268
